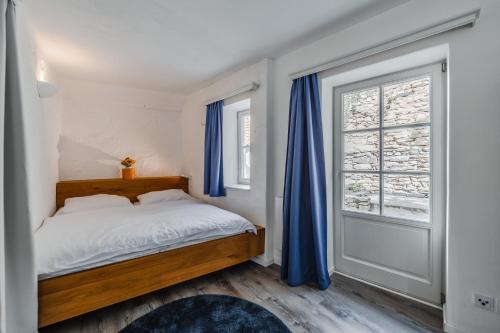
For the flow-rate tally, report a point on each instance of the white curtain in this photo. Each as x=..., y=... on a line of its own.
x=20, y=279
x=3, y=7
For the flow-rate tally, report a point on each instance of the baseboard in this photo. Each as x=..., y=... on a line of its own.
x=447, y=327
x=263, y=261
x=331, y=270
x=277, y=260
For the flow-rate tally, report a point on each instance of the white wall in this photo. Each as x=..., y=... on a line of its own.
x=251, y=203
x=474, y=157
x=50, y=127
x=102, y=124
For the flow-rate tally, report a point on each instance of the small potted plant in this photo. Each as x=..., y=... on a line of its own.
x=128, y=172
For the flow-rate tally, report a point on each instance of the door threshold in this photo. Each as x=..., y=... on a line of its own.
x=439, y=307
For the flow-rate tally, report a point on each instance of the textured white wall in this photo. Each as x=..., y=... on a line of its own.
x=252, y=203
x=474, y=120
x=102, y=124
x=52, y=109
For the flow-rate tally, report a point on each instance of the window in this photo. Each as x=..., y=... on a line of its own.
x=386, y=147
x=244, y=147
x=236, y=137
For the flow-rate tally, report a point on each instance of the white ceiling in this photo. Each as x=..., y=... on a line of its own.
x=180, y=45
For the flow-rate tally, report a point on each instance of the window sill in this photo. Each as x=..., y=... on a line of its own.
x=239, y=187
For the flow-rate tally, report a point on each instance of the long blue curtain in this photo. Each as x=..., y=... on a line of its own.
x=214, y=173
x=304, y=201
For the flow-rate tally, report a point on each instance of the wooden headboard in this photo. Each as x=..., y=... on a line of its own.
x=127, y=188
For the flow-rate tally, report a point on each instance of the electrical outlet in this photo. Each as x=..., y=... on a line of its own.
x=484, y=302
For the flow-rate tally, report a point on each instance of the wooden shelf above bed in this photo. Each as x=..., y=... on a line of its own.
x=127, y=188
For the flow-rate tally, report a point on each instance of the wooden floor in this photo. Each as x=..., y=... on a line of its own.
x=347, y=306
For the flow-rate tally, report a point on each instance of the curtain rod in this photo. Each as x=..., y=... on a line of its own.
x=461, y=21
x=249, y=87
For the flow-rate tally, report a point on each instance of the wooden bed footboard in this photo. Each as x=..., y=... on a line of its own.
x=70, y=295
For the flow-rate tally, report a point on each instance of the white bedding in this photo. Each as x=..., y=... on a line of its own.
x=78, y=241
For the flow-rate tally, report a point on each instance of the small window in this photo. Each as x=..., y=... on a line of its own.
x=236, y=137
x=244, y=147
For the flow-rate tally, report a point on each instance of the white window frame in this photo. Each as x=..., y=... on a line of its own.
x=239, y=117
x=437, y=152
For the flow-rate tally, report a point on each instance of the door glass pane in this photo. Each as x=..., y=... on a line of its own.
x=361, y=109
x=361, y=192
x=407, y=149
x=361, y=151
x=407, y=102
x=407, y=196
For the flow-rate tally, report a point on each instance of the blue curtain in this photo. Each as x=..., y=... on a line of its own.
x=304, y=201
x=214, y=174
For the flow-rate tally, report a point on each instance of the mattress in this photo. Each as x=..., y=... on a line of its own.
x=78, y=241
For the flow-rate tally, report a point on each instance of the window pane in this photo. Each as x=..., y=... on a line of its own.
x=361, y=151
x=407, y=196
x=407, y=149
x=246, y=130
x=407, y=102
x=361, y=192
x=246, y=163
x=361, y=109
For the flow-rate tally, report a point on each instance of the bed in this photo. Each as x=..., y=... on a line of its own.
x=118, y=253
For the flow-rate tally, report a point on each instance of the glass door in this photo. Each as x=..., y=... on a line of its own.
x=390, y=138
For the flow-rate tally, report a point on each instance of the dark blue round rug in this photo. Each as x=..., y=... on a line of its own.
x=208, y=313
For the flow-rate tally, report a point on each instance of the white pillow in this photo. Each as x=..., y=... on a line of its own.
x=93, y=202
x=160, y=196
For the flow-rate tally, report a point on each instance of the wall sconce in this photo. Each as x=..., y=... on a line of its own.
x=45, y=89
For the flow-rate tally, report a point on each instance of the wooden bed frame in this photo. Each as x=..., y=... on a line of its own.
x=73, y=294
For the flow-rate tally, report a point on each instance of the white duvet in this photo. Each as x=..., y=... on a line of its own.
x=73, y=242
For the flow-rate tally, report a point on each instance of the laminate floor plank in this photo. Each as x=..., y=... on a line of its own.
x=346, y=306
